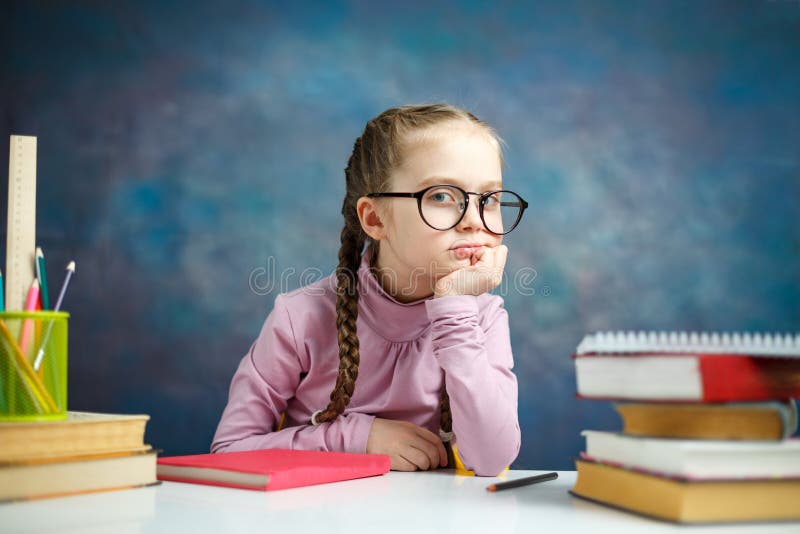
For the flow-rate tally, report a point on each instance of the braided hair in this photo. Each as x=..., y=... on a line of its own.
x=376, y=153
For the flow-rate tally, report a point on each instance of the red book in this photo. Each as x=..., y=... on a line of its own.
x=688, y=366
x=686, y=377
x=271, y=469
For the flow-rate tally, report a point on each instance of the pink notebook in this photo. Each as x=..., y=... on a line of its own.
x=271, y=469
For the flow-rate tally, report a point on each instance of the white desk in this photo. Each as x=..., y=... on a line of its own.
x=416, y=503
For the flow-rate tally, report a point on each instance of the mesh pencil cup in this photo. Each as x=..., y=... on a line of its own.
x=33, y=366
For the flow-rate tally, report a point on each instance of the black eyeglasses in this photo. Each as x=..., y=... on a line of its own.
x=443, y=206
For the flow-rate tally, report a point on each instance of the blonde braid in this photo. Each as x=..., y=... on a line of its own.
x=346, y=316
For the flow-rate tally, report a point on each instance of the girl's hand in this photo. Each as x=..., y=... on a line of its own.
x=484, y=274
x=410, y=447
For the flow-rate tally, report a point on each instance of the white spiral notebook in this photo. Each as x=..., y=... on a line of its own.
x=751, y=344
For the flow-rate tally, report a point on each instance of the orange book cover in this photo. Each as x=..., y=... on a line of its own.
x=271, y=469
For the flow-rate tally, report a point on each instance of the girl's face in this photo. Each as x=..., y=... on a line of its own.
x=412, y=252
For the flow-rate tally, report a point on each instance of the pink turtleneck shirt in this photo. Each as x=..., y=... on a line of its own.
x=407, y=350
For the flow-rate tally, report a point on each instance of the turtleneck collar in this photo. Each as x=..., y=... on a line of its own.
x=390, y=318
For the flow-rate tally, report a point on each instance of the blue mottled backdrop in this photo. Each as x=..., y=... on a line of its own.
x=186, y=146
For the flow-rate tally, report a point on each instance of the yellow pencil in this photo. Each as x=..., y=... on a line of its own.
x=36, y=390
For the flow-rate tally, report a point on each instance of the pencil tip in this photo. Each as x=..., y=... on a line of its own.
x=39, y=253
x=35, y=283
x=71, y=266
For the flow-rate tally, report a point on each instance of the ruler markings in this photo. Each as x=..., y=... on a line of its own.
x=21, y=237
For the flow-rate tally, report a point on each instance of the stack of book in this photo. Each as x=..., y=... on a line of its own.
x=87, y=452
x=707, y=421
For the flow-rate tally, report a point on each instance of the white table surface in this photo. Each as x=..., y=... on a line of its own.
x=416, y=503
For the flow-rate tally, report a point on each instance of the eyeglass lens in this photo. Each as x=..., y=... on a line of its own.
x=443, y=206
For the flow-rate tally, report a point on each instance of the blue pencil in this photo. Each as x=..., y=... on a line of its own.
x=41, y=274
x=2, y=302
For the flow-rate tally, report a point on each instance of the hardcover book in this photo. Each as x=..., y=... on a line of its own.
x=271, y=469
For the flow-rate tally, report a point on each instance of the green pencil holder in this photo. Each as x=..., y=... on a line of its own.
x=33, y=366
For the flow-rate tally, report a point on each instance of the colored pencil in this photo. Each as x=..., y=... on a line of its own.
x=4, y=407
x=27, y=324
x=41, y=274
x=67, y=278
x=33, y=384
x=70, y=271
x=522, y=482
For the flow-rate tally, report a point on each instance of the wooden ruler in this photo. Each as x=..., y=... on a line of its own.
x=21, y=238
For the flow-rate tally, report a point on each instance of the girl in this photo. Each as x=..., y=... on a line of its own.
x=411, y=319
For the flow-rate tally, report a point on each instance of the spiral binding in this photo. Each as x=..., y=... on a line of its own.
x=755, y=344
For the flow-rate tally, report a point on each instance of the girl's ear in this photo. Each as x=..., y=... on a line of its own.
x=371, y=218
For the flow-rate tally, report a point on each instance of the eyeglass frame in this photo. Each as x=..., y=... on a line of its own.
x=523, y=205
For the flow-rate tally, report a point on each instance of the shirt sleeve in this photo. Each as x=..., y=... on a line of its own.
x=474, y=350
x=267, y=377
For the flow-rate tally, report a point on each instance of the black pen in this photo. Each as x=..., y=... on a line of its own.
x=522, y=482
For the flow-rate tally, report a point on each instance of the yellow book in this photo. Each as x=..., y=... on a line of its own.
x=688, y=502
x=737, y=421
x=35, y=479
x=80, y=433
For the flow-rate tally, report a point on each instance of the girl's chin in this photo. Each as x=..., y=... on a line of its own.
x=449, y=263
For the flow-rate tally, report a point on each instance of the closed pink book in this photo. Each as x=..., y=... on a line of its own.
x=271, y=469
